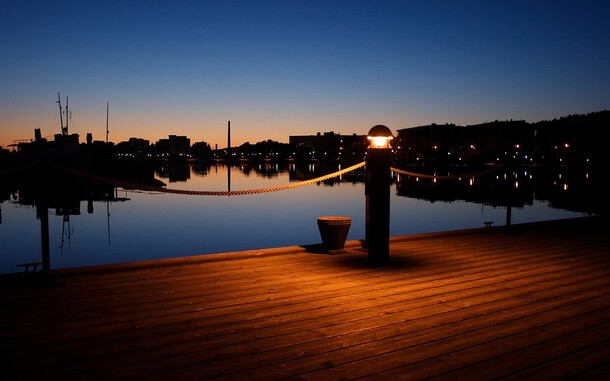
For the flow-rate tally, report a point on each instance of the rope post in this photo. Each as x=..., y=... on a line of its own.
x=377, y=193
x=42, y=212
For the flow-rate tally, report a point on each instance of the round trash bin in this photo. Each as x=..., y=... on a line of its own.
x=333, y=230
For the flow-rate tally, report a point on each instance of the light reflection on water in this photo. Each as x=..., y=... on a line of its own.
x=160, y=225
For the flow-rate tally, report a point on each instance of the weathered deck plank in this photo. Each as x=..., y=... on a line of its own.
x=533, y=301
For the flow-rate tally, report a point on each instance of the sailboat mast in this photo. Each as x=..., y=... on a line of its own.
x=107, y=122
x=67, y=117
x=61, y=118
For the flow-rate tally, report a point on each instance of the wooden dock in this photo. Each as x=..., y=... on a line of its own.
x=529, y=302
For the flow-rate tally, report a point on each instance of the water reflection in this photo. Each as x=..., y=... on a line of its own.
x=504, y=188
x=49, y=190
x=148, y=226
x=563, y=188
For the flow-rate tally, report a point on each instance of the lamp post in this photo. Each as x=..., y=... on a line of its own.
x=377, y=193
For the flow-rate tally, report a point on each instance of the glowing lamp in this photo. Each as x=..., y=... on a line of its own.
x=379, y=137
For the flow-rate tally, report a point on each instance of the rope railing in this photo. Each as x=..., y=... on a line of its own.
x=152, y=188
x=446, y=177
x=129, y=185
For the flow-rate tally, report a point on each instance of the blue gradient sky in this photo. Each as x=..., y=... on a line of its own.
x=280, y=68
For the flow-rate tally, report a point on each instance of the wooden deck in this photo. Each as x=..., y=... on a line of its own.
x=532, y=302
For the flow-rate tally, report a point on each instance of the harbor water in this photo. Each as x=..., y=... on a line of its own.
x=136, y=225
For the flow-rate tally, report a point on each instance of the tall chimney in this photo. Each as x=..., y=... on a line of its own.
x=229, y=135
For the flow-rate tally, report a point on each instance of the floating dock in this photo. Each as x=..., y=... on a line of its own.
x=530, y=301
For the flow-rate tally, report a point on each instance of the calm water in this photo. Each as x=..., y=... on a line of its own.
x=158, y=225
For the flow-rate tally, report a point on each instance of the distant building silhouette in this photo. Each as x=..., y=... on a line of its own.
x=574, y=140
x=329, y=146
x=570, y=140
x=174, y=145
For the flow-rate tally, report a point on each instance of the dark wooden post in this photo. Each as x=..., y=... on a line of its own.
x=377, y=191
x=43, y=214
